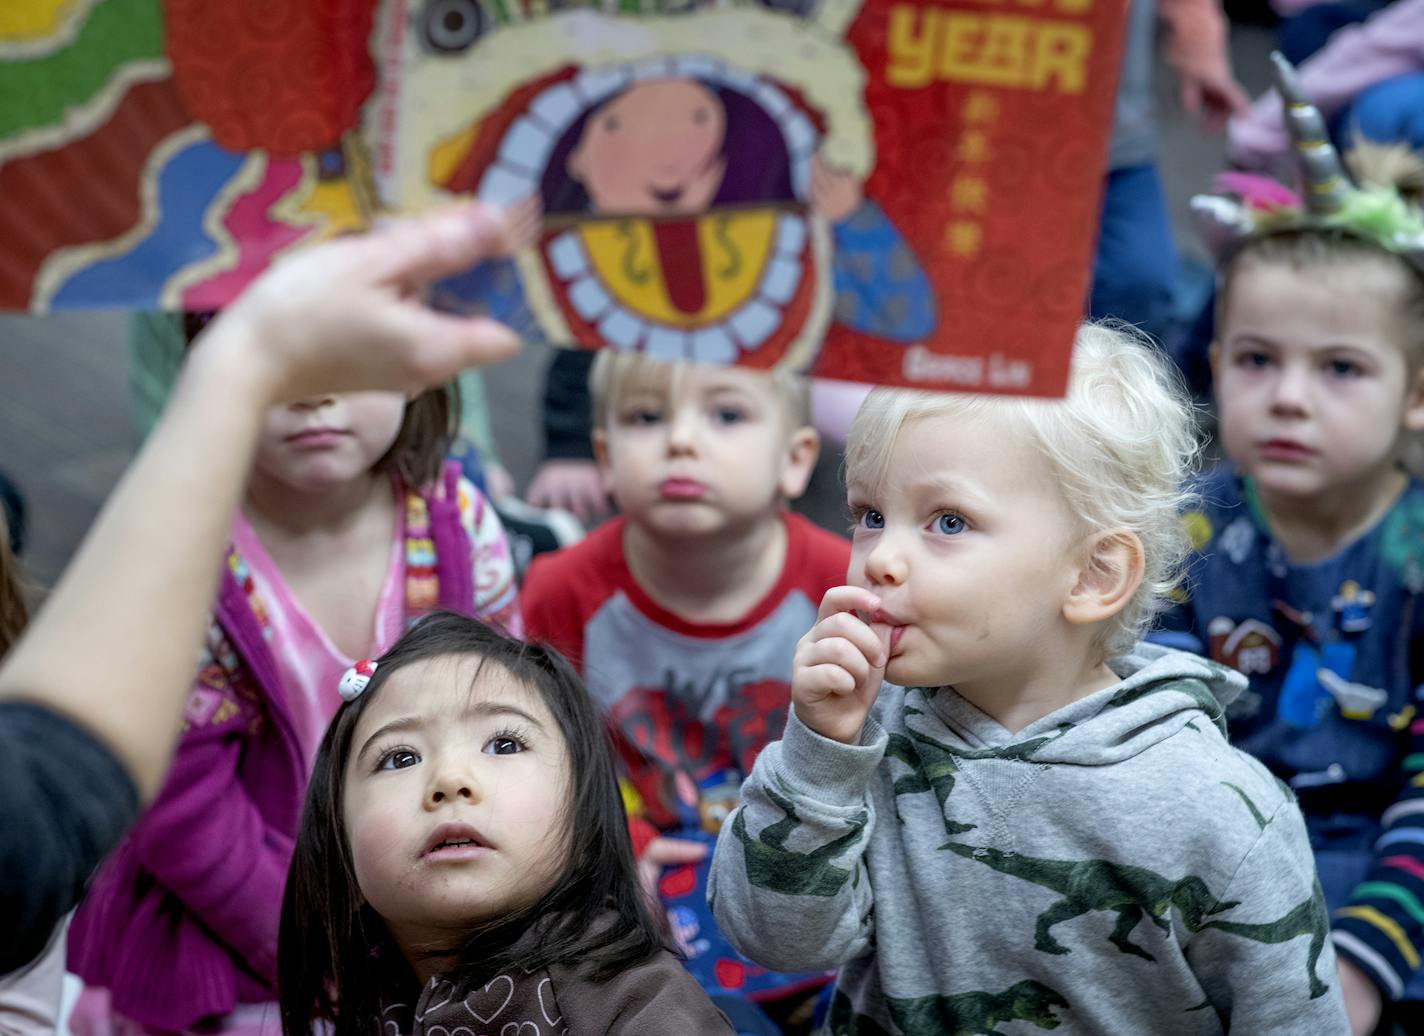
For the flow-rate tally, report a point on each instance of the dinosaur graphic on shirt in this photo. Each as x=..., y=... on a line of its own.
x=1310, y=917
x=976, y=1013
x=1135, y=892
x=1196, y=690
x=770, y=865
x=935, y=765
x=1090, y=885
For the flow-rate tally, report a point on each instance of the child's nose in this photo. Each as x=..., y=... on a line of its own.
x=682, y=430
x=886, y=565
x=314, y=402
x=452, y=783
x=1292, y=393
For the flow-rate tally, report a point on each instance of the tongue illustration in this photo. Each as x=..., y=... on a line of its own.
x=681, y=263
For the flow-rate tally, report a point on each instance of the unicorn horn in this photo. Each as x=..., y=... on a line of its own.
x=1326, y=183
x=1223, y=224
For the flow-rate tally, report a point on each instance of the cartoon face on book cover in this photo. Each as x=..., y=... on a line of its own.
x=896, y=191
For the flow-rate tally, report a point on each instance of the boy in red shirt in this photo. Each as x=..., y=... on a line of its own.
x=682, y=612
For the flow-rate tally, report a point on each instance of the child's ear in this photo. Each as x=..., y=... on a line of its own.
x=1213, y=356
x=1414, y=404
x=802, y=450
x=1111, y=573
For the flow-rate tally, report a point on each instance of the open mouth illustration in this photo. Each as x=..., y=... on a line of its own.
x=720, y=265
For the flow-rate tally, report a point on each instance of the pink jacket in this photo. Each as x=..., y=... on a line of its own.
x=1389, y=44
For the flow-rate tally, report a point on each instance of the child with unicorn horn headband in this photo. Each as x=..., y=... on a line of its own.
x=1308, y=573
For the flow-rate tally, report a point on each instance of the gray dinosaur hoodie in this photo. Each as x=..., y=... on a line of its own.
x=1115, y=867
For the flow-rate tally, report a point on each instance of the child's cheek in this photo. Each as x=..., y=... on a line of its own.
x=378, y=842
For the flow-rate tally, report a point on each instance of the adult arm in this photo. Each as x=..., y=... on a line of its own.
x=111, y=653
x=1194, y=45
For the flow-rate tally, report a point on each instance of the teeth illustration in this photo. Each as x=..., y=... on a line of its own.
x=666, y=344
x=754, y=323
x=526, y=147
x=566, y=255
x=519, y=169
x=556, y=107
x=589, y=299
x=622, y=329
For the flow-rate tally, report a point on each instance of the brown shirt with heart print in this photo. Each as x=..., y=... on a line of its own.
x=654, y=998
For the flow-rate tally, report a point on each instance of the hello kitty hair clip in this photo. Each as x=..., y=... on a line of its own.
x=355, y=679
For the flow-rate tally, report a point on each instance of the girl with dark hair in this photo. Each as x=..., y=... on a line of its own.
x=352, y=525
x=464, y=858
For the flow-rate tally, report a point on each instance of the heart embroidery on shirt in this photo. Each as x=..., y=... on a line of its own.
x=519, y=1029
x=499, y=990
x=440, y=995
x=547, y=1002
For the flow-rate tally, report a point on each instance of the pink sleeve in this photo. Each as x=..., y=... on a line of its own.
x=496, y=590
x=1388, y=44
x=205, y=840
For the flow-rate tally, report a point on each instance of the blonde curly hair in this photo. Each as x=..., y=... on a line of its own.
x=1122, y=446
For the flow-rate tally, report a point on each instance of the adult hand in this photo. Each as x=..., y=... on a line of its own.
x=574, y=485
x=1211, y=94
x=347, y=315
x=839, y=665
x=1363, y=1002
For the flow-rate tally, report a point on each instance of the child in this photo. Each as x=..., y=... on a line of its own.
x=1309, y=570
x=1034, y=820
x=351, y=526
x=680, y=611
x=463, y=858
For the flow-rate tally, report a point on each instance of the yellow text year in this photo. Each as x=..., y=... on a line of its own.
x=928, y=44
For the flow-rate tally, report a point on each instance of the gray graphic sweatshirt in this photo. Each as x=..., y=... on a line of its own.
x=1115, y=867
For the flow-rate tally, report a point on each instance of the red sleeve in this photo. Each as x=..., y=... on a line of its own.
x=820, y=559
x=551, y=609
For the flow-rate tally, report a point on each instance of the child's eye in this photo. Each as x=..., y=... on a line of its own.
x=950, y=524
x=729, y=415
x=505, y=743
x=1252, y=358
x=642, y=416
x=397, y=759
x=871, y=519
x=1344, y=368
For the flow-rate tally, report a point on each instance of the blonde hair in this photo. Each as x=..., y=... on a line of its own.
x=1121, y=446
x=614, y=373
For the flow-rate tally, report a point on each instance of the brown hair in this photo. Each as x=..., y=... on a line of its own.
x=13, y=611
x=426, y=433
x=1333, y=252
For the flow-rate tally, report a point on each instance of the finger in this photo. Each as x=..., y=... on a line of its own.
x=443, y=344
x=420, y=250
x=827, y=679
x=863, y=636
x=847, y=599
x=669, y=852
x=839, y=652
